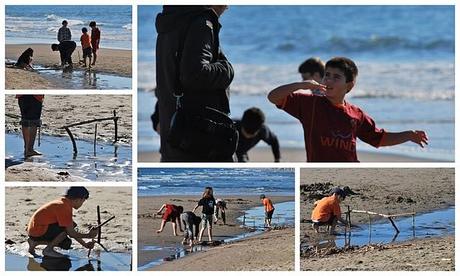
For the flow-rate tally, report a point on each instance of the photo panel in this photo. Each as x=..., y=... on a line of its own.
x=68, y=138
x=236, y=218
x=68, y=47
x=57, y=228
x=379, y=219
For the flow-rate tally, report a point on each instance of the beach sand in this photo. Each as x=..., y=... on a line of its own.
x=387, y=191
x=26, y=172
x=264, y=154
x=113, y=61
x=22, y=79
x=237, y=204
x=60, y=110
x=22, y=202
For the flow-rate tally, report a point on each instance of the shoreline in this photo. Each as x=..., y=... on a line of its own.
x=236, y=204
x=297, y=155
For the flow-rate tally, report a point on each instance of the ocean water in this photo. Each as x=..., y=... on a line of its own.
x=40, y=24
x=405, y=55
x=192, y=181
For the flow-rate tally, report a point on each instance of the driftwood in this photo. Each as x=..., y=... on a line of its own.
x=99, y=227
x=389, y=217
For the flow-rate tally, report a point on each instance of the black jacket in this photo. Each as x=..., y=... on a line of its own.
x=203, y=74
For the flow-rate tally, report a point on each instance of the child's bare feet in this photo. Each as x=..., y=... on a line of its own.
x=32, y=152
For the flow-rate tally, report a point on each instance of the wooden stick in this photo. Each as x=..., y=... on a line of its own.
x=104, y=223
x=72, y=139
x=383, y=215
x=91, y=121
x=95, y=137
x=99, y=222
x=115, y=121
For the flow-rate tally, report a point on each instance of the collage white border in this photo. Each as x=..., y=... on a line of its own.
x=297, y=166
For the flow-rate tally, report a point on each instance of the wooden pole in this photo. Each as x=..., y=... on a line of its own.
x=95, y=138
x=91, y=121
x=99, y=222
x=115, y=121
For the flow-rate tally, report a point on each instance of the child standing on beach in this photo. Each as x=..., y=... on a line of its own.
x=31, y=111
x=269, y=209
x=52, y=224
x=221, y=206
x=95, y=39
x=172, y=214
x=208, y=203
x=85, y=46
x=327, y=211
x=64, y=32
x=332, y=125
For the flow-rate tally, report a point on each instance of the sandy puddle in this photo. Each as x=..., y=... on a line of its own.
x=77, y=261
x=109, y=163
x=436, y=223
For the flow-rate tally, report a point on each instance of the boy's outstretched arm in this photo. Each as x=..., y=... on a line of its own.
x=278, y=94
x=395, y=138
x=161, y=209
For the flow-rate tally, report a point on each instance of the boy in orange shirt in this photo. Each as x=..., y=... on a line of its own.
x=86, y=46
x=327, y=211
x=269, y=209
x=52, y=224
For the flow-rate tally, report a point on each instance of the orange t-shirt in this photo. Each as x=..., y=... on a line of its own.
x=57, y=211
x=85, y=43
x=267, y=204
x=325, y=208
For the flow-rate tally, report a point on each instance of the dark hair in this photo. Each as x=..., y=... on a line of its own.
x=180, y=209
x=64, y=22
x=54, y=47
x=252, y=120
x=92, y=24
x=346, y=65
x=29, y=52
x=312, y=65
x=84, y=30
x=77, y=193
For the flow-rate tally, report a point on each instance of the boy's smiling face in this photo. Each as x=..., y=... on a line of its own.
x=337, y=85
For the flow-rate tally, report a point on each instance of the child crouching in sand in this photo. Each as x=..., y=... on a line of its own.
x=332, y=125
x=192, y=224
x=208, y=203
x=172, y=214
x=52, y=224
x=327, y=211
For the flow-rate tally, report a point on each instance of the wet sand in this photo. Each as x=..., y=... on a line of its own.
x=270, y=251
x=113, y=61
x=260, y=154
x=60, y=110
x=387, y=191
x=237, y=204
x=22, y=79
x=21, y=202
x=26, y=172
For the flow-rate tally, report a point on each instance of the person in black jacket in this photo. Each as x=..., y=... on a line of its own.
x=252, y=129
x=65, y=49
x=189, y=61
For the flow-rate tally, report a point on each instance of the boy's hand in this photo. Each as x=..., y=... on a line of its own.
x=90, y=245
x=314, y=85
x=93, y=232
x=419, y=137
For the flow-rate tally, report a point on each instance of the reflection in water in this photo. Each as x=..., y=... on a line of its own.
x=437, y=223
x=103, y=261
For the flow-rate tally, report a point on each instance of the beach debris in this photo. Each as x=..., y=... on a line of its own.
x=63, y=173
x=389, y=217
x=9, y=241
x=99, y=227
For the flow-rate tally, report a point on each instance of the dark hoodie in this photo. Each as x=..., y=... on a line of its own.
x=204, y=72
